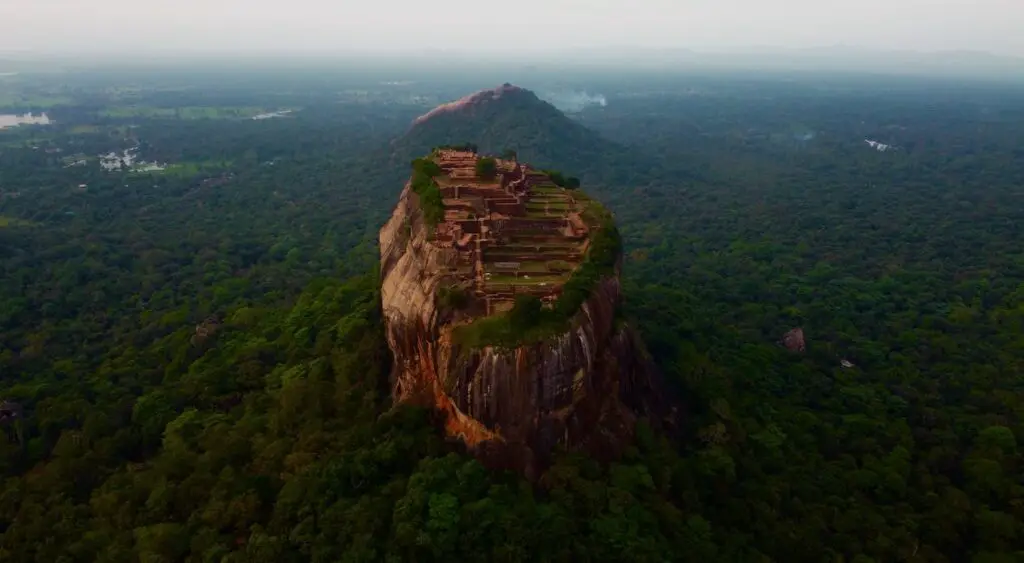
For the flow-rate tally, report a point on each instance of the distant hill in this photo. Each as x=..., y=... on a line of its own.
x=510, y=117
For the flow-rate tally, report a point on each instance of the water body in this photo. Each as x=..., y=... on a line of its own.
x=11, y=120
x=272, y=115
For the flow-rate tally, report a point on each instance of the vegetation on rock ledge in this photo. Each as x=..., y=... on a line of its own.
x=452, y=297
x=423, y=172
x=563, y=181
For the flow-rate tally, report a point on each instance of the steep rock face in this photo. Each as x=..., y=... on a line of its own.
x=410, y=276
x=467, y=103
x=581, y=389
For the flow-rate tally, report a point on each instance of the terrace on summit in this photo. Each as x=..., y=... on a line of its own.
x=518, y=233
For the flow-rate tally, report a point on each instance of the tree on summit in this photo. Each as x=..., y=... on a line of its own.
x=487, y=168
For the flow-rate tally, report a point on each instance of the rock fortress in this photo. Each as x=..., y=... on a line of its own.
x=501, y=297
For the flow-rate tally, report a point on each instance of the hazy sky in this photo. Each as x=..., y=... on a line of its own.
x=509, y=25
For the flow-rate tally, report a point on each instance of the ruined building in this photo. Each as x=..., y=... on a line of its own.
x=516, y=234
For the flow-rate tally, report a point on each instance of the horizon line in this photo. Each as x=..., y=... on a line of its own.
x=751, y=49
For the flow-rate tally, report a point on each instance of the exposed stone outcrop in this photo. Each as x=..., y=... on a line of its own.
x=468, y=102
x=581, y=389
x=794, y=340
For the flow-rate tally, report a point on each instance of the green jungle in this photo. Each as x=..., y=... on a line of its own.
x=193, y=364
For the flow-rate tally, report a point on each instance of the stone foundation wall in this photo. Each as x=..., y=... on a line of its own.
x=517, y=225
x=471, y=191
x=495, y=255
x=469, y=226
x=507, y=207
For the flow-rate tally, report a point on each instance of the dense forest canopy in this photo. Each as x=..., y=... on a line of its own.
x=192, y=365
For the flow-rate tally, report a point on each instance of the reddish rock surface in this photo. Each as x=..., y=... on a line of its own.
x=794, y=340
x=467, y=102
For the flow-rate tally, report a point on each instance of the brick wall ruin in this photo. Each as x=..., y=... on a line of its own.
x=503, y=247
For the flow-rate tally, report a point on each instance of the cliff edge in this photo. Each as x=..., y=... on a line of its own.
x=501, y=294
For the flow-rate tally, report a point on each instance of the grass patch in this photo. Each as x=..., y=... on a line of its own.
x=12, y=100
x=546, y=189
x=8, y=222
x=549, y=206
x=84, y=129
x=542, y=201
x=582, y=197
x=542, y=212
x=532, y=280
x=524, y=267
x=137, y=111
x=188, y=112
x=526, y=322
x=559, y=266
x=73, y=158
x=189, y=169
